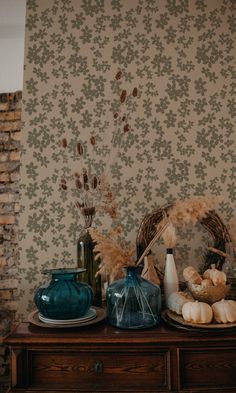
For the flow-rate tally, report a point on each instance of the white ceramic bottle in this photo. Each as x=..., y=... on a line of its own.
x=171, y=281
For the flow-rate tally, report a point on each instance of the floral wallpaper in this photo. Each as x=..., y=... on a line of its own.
x=179, y=139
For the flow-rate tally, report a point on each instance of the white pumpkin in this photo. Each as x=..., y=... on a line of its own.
x=176, y=301
x=216, y=276
x=191, y=275
x=206, y=283
x=224, y=311
x=197, y=312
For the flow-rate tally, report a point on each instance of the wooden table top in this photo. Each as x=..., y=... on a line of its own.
x=102, y=332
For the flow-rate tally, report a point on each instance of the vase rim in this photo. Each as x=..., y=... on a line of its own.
x=63, y=270
x=130, y=269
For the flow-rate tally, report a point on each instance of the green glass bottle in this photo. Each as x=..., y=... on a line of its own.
x=86, y=260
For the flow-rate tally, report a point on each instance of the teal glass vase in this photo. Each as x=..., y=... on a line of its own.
x=64, y=297
x=133, y=302
x=86, y=260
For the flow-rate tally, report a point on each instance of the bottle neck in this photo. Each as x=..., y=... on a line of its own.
x=63, y=276
x=132, y=271
x=169, y=251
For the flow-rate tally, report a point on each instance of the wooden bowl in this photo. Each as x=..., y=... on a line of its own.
x=209, y=294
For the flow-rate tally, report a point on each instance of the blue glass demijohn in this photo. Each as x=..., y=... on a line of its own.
x=64, y=297
x=133, y=302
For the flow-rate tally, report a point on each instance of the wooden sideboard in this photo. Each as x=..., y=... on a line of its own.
x=100, y=358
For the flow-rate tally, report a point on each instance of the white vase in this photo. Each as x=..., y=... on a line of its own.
x=171, y=281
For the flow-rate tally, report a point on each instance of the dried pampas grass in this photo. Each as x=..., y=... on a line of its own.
x=169, y=236
x=114, y=256
x=190, y=211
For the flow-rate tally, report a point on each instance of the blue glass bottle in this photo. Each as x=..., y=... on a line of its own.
x=133, y=302
x=64, y=297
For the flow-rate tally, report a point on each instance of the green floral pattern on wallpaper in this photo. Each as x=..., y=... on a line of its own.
x=180, y=55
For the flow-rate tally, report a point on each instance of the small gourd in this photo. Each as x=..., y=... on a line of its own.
x=176, y=301
x=197, y=312
x=191, y=275
x=206, y=283
x=224, y=311
x=218, y=277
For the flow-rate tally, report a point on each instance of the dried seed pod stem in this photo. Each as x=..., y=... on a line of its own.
x=118, y=75
x=123, y=96
x=135, y=92
x=64, y=143
x=80, y=149
x=93, y=140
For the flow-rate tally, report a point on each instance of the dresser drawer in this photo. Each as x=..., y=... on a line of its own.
x=100, y=371
x=208, y=367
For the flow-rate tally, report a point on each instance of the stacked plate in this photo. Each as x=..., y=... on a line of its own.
x=91, y=314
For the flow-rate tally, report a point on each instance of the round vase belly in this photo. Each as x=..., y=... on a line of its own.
x=64, y=297
x=133, y=302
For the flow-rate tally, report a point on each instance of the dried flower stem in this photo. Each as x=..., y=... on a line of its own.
x=169, y=235
x=156, y=237
x=219, y=252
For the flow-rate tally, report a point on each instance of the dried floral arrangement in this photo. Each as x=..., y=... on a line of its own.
x=116, y=255
x=162, y=224
x=91, y=188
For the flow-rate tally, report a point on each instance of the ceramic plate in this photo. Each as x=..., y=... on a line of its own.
x=89, y=315
x=176, y=320
x=100, y=315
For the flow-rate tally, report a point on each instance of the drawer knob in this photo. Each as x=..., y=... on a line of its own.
x=98, y=367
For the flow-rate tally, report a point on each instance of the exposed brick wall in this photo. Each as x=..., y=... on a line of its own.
x=10, y=132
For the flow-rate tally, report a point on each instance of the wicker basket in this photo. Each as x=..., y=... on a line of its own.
x=209, y=294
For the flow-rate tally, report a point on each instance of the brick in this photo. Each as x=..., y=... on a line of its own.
x=10, y=229
x=6, y=294
x=15, y=156
x=15, y=176
x=2, y=370
x=10, y=126
x=16, y=136
x=11, y=305
x=12, y=261
x=7, y=198
x=4, y=167
x=4, y=156
x=7, y=219
x=17, y=208
x=4, y=137
x=9, y=166
x=13, y=145
x=3, y=262
x=6, y=319
x=4, y=106
x=18, y=106
x=4, y=177
x=7, y=209
x=8, y=283
x=13, y=115
x=12, y=272
x=2, y=350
